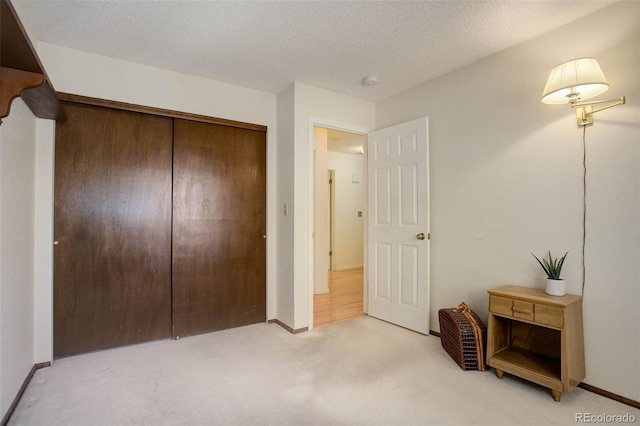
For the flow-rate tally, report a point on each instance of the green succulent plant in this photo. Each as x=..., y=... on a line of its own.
x=552, y=267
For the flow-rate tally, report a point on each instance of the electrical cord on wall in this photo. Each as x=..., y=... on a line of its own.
x=584, y=201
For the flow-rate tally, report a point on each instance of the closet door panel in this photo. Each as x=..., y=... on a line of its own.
x=112, y=224
x=219, y=220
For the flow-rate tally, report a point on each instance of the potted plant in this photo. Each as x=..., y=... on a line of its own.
x=553, y=267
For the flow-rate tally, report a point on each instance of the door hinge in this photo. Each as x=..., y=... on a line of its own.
x=330, y=253
x=330, y=181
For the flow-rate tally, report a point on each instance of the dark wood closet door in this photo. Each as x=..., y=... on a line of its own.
x=112, y=223
x=219, y=222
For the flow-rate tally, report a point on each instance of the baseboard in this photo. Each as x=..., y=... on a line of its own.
x=286, y=327
x=16, y=400
x=593, y=389
x=609, y=395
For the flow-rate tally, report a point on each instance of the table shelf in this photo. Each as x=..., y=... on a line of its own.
x=537, y=368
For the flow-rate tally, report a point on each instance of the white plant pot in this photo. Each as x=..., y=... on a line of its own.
x=555, y=287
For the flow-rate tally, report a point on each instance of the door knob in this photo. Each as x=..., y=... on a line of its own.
x=420, y=236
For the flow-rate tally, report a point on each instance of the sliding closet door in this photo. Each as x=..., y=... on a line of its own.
x=219, y=200
x=112, y=226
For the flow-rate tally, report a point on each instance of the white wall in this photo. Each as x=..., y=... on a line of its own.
x=17, y=236
x=506, y=180
x=328, y=109
x=286, y=166
x=43, y=273
x=349, y=200
x=86, y=74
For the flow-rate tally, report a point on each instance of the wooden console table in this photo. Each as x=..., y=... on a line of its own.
x=537, y=337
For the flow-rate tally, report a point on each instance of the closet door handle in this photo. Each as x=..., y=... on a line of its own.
x=420, y=236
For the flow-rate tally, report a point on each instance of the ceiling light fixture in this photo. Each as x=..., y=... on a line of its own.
x=370, y=80
x=574, y=81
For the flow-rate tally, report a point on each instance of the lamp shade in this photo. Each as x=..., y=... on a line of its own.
x=576, y=79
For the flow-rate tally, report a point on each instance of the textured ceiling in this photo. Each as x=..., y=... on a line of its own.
x=267, y=45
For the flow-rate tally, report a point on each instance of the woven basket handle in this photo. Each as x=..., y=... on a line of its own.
x=477, y=332
x=463, y=307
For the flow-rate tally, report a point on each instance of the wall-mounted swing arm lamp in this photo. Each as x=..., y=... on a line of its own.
x=571, y=83
x=574, y=81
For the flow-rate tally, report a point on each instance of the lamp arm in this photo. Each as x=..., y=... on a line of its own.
x=620, y=101
x=584, y=112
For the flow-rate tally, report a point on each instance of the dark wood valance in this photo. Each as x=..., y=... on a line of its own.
x=79, y=99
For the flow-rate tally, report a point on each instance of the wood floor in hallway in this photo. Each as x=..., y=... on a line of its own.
x=344, y=300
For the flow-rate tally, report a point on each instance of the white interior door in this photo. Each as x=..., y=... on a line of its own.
x=398, y=225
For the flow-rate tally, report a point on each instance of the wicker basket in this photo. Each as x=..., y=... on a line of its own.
x=463, y=336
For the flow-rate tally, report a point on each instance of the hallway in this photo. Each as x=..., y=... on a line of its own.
x=344, y=300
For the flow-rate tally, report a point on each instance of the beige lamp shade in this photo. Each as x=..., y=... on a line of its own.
x=574, y=80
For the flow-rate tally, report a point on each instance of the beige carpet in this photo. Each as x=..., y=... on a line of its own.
x=360, y=372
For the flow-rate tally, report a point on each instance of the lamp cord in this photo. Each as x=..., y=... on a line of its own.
x=584, y=202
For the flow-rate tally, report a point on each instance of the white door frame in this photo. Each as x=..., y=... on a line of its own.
x=347, y=127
